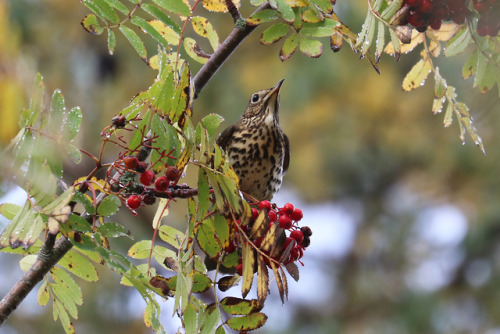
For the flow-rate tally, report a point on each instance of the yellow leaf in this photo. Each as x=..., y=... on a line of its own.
x=218, y=5
x=447, y=31
x=417, y=75
x=168, y=33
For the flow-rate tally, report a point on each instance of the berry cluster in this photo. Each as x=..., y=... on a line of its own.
x=147, y=177
x=430, y=13
x=489, y=21
x=287, y=219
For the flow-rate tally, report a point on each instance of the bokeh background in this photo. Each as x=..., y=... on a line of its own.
x=406, y=219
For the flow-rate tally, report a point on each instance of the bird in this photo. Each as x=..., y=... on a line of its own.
x=257, y=148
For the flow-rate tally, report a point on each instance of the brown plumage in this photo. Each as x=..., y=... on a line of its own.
x=257, y=147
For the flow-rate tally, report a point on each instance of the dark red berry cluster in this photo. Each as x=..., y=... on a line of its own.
x=430, y=13
x=287, y=218
x=147, y=177
x=489, y=20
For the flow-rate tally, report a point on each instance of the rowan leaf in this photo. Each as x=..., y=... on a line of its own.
x=205, y=29
x=289, y=47
x=263, y=16
x=417, y=75
x=92, y=25
x=310, y=47
x=239, y=306
x=274, y=33
x=135, y=41
x=247, y=322
x=262, y=279
x=174, y=6
x=248, y=261
x=218, y=5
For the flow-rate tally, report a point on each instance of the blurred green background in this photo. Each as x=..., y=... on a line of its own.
x=406, y=219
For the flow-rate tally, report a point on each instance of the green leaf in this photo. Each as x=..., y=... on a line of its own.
x=459, y=42
x=310, y=16
x=239, y=306
x=140, y=250
x=85, y=201
x=66, y=290
x=149, y=29
x=61, y=201
x=72, y=125
x=211, y=122
x=111, y=41
x=208, y=243
x=105, y=10
x=325, y=5
x=9, y=210
x=27, y=261
x=205, y=29
x=91, y=24
x=174, y=6
x=289, y=46
x=57, y=110
x=201, y=282
x=113, y=230
x=247, y=322
x=284, y=8
x=211, y=319
x=160, y=15
x=109, y=206
x=263, y=16
x=79, y=265
x=30, y=116
x=274, y=33
x=317, y=31
x=118, y=5
x=222, y=230
x=203, y=193
x=171, y=235
x=135, y=41
x=310, y=47
x=59, y=312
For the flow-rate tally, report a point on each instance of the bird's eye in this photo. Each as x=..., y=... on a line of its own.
x=255, y=98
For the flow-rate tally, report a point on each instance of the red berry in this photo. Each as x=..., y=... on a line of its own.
x=161, y=183
x=134, y=202
x=296, y=214
x=297, y=235
x=285, y=222
x=147, y=177
x=265, y=205
x=413, y=3
x=172, y=173
x=272, y=216
x=288, y=208
x=239, y=269
x=296, y=253
x=231, y=247
x=131, y=162
x=426, y=7
x=255, y=213
x=306, y=242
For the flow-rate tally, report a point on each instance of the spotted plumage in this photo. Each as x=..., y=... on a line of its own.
x=257, y=147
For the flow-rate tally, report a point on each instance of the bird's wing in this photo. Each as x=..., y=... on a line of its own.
x=286, y=161
x=225, y=137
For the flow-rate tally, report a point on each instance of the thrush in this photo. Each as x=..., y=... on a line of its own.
x=256, y=146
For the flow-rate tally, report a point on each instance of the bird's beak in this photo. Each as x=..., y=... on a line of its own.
x=273, y=95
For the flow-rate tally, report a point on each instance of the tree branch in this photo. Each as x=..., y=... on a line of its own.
x=238, y=35
x=52, y=251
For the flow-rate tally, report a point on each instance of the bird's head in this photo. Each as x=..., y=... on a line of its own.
x=264, y=104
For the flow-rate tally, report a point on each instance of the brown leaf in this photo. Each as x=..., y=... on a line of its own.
x=262, y=280
x=404, y=34
x=293, y=270
x=259, y=226
x=336, y=41
x=227, y=282
x=279, y=282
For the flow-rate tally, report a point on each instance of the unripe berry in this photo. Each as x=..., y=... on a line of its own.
x=147, y=177
x=265, y=205
x=131, y=162
x=141, y=167
x=306, y=242
x=285, y=222
x=297, y=235
x=134, y=202
x=161, y=183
